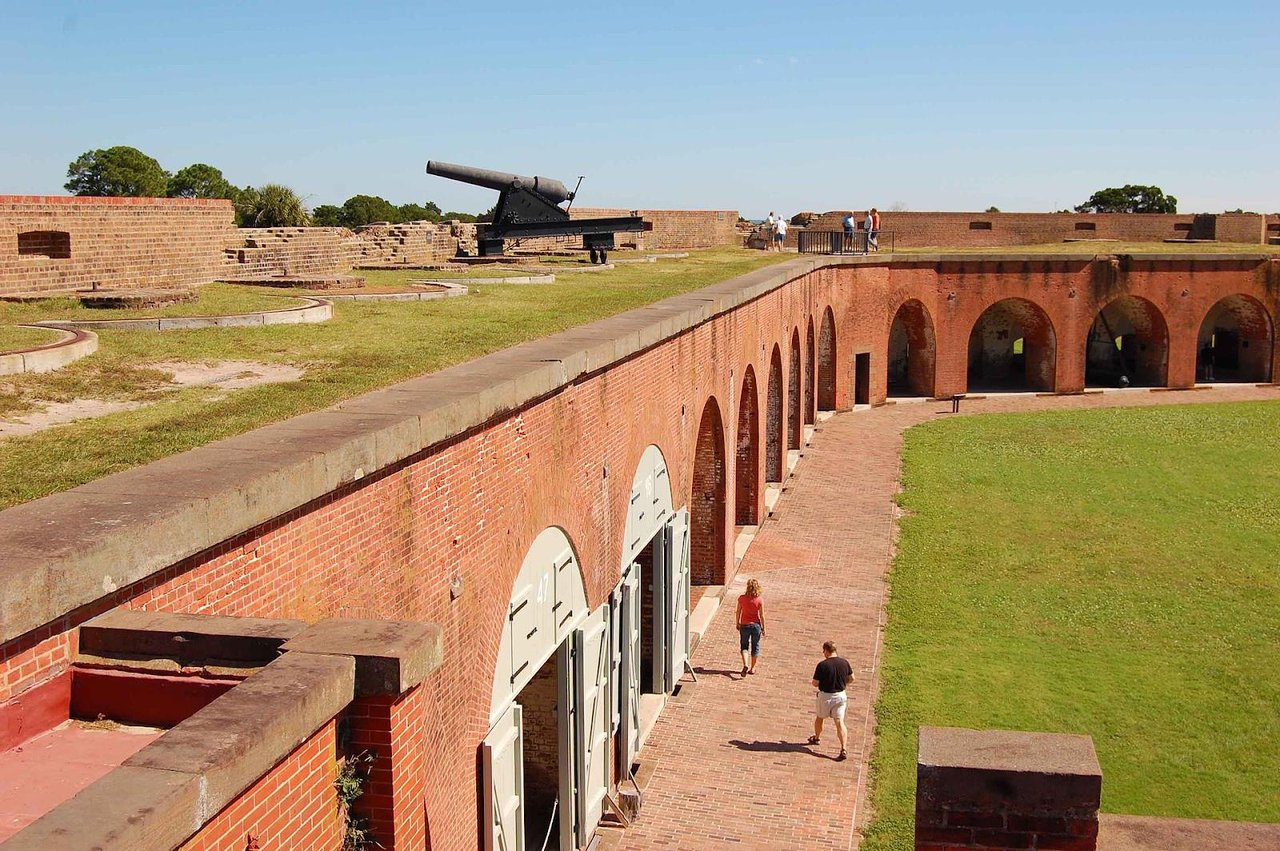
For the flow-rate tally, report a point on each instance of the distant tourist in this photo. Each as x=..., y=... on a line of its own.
x=873, y=229
x=750, y=625
x=850, y=227
x=831, y=678
x=780, y=233
x=770, y=228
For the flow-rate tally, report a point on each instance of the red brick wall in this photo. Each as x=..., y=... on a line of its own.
x=775, y=423
x=257, y=253
x=115, y=242
x=747, y=454
x=394, y=729
x=913, y=230
x=293, y=806
x=388, y=545
x=674, y=228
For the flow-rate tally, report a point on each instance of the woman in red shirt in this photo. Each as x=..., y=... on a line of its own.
x=751, y=624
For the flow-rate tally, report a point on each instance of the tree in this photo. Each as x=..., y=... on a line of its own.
x=1130, y=198
x=428, y=212
x=464, y=217
x=993, y=209
x=359, y=210
x=200, y=181
x=327, y=216
x=271, y=206
x=118, y=171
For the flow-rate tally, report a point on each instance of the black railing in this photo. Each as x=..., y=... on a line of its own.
x=840, y=242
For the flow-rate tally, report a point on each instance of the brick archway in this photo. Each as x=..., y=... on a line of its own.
x=747, y=453
x=1235, y=341
x=773, y=426
x=707, y=500
x=1012, y=346
x=1128, y=344
x=810, y=407
x=913, y=351
x=793, y=393
x=827, y=361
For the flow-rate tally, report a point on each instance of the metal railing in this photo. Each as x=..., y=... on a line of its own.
x=839, y=242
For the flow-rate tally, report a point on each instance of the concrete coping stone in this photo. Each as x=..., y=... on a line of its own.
x=311, y=309
x=391, y=657
x=166, y=792
x=1004, y=750
x=72, y=345
x=70, y=549
x=186, y=638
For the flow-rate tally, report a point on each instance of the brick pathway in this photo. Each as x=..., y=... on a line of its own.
x=732, y=769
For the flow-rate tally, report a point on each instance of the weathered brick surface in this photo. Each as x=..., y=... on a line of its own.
x=293, y=806
x=668, y=229
x=114, y=242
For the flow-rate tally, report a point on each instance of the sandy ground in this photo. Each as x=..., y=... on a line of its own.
x=221, y=375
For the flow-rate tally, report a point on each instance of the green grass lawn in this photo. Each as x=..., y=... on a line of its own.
x=1114, y=573
x=214, y=300
x=366, y=345
x=16, y=339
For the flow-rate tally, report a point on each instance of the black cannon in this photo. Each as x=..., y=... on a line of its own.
x=530, y=206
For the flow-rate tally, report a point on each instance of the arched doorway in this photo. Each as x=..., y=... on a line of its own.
x=912, y=351
x=1012, y=347
x=810, y=408
x=1128, y=344
x=707, y=499
x=1235, y=341
x=747, y=471
x=528, y=757
x=793, y=393
x=827, y=362
x=773, y=426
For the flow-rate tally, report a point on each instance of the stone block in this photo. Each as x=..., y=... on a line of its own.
x=391, y=657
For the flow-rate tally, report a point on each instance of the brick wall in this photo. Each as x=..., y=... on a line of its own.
x=775, y=423
x=389, y=544
x=672, y=229
x=293, y=806
x=113, y=242
x=408, y=244
x=260, y=253
x=913, y=230
x=747, y=454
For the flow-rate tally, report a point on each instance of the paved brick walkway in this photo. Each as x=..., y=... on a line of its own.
x=732, y=767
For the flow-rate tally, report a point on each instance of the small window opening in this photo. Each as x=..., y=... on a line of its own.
x=979, y=225
x=1273, y=228
x=1182, y=226
x=1086, y=225
x=54, y=244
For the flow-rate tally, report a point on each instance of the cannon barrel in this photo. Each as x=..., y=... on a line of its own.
x=553, y=190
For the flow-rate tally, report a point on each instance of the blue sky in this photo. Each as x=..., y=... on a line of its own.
x=754, y=106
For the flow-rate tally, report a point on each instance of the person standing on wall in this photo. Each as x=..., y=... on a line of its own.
x=873, y=229
x=770, y=228
x=850, y=228
x=780, y=233
x=750, y=625
x=831, y=678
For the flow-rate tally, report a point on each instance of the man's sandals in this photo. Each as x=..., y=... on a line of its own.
x=814, y=740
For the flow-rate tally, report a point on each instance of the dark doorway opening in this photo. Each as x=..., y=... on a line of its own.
x=1235, y=342
x=912, y=352
x=1127, y=345
x=1012, y=347
x=862, y=379
x=541, y=709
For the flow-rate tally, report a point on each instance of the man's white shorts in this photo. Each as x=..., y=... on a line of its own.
x=832, y=705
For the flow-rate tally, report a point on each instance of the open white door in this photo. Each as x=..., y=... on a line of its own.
x=592, y=683
x=630, y=710
x=660, y=590
x=678, y=596
x=502, y=785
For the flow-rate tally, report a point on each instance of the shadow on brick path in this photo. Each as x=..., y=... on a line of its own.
x=731, y=767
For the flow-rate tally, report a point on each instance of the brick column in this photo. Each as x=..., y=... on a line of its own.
x=1003, y=790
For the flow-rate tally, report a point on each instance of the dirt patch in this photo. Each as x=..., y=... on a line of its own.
x=221, y=375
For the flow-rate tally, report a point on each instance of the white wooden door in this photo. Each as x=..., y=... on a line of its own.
x=659, y=582
x=592, y=684
x=678, y=594
x=502, y=764
x=630, y=665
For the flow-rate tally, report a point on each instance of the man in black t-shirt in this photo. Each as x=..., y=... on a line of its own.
x=831, y=678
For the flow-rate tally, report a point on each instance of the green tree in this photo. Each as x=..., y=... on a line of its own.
x=200, y=180
x=1130, y=198
x=993, y=209
x=428, y=212
x=271, y=206
x=461, y=217
x=118, y=171
x=327, y=216
x=359, y=210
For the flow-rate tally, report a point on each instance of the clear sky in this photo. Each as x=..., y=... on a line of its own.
x=755, y=106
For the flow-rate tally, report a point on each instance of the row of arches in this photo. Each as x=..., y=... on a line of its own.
x=1013, y=346
x=810, y=386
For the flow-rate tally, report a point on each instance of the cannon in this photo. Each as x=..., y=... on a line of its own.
x=530, y=206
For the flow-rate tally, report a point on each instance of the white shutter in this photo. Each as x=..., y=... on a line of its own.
x=502, y=783
x=592, y=685
x=678, y=557
x=631, y=665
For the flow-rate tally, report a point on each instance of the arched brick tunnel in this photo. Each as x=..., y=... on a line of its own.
x=747, y=471
x=707, y=500
x=913, y=351
x=1012, y=347
x=773, y=424
x=1235, y=341
x=1129, y=339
